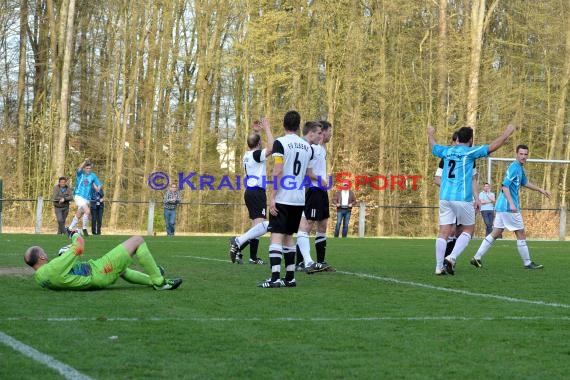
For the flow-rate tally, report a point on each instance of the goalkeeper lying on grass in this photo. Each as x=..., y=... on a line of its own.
x=66, y=272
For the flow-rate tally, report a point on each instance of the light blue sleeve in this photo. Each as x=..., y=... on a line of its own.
x=438, y=150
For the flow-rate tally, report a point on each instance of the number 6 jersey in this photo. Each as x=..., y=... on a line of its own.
x=296, y=154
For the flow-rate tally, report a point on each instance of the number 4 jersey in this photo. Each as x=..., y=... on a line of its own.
x=457, y=175
x=296, y=154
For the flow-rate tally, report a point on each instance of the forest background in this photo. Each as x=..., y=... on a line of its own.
x=174, y=86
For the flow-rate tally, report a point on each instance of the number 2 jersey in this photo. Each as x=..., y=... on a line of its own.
x=457, y=176
x=296, y=153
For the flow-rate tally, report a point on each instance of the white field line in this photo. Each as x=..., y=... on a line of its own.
x=431, y=287
x=524, y=318
x=63, y=369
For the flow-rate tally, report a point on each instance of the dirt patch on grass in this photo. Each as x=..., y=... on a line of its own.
x=11, y=271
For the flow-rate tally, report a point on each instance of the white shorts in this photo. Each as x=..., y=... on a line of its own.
x=80, y=201
x=512, y=221
x=456, y=212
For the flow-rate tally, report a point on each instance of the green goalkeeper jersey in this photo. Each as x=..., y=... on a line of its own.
x=66, y=271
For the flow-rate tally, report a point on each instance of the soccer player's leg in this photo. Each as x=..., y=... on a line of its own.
x=446, y=222
x=303, y=246
x=277, y=227
x=322, y=218
x=137, y=246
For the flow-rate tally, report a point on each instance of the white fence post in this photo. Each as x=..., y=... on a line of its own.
x=150, y=220
x=562, y=223
x=361, y=219
x=39, y=209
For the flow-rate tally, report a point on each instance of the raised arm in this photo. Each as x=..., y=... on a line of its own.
x=82, y=165
x=269, y=136
x=499, y=141
x=431, y=138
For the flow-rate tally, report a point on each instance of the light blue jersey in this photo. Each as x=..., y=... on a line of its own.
x=457, y=176
x=515, y=177
x=84, y=184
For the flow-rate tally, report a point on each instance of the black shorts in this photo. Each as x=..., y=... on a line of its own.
x=316, y=204
x=256, y=202
x=287, y=219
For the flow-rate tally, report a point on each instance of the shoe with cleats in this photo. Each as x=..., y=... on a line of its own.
x=289, y=283
x=317, y=267
x=256, y=261
x=449, y=265
x=168, y=284
x=476, y=263
x=234, y=249
x=534, y=265
x=279, y=283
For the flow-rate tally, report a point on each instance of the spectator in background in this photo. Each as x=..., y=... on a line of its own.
x=62, y=195
x=97, y=208
x=487, y=198
x=171, y=200
x=344, y=200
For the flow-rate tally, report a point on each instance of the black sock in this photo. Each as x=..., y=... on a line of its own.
x=253, y=245
x=449, y=247
x=299, y=256
x=289, y=260
x=321, y=247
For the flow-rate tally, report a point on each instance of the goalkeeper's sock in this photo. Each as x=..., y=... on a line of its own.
x=136, y=277
x=85, y=221
x=148, y=263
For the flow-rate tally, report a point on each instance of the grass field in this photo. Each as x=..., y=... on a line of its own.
x=382, y=315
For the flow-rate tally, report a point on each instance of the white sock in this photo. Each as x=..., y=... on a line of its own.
x=85, y=221
x=440, y=245
x=523, y=251
x=305, y=247
x=73, y=223
x=484, y=247
x=460, y=245
x=253, y=233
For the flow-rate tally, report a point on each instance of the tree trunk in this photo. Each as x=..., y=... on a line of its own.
x=477, y=21
x=59, y=153
x=442, y=70
x=22, y=96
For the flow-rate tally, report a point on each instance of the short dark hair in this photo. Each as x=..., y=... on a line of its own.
x=310, y=126
x=521, y=146
x=33, y=255
x=62, y=179
x=253, y=140
x=292, y=121
x=454, y=136
x=465, y=134
x=325, y=125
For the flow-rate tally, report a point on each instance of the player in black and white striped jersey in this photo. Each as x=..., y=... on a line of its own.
x=292, y=156
x=254, y=164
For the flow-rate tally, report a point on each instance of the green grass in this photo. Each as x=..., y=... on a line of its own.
x=384, y=314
